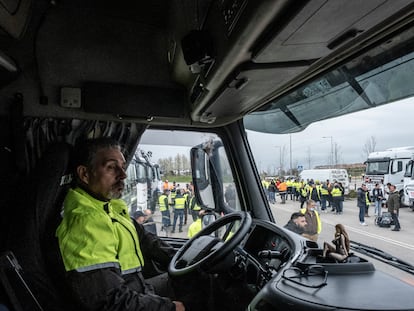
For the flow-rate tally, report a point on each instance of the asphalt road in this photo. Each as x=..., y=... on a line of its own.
x=400, y=244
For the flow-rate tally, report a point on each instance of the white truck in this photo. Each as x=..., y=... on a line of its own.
x=321, y=175
x=388, y=166
x=409, y=184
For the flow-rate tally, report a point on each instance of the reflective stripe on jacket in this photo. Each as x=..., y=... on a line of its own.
x=96, y=234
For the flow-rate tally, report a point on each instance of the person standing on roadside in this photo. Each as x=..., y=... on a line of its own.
x=361, y=203
x=393, y=205
x=313, y=223
x=377, y=196
x=272, y=192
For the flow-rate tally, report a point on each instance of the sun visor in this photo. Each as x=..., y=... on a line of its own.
x=134, y=100
x=14, y=15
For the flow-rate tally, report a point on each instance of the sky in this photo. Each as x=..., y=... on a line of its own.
x=391, y=125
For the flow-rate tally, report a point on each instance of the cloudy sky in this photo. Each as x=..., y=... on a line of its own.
x=391, y=126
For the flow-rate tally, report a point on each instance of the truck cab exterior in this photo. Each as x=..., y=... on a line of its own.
x=388, y=166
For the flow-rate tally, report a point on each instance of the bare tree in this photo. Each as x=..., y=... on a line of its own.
x=369, y=146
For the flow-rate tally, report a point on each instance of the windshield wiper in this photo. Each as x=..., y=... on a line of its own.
x=382, y=256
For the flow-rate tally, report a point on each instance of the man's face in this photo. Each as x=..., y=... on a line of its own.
x=106, y=178
x=300, y=221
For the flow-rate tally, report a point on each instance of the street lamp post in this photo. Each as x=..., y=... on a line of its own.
x=280, y=158
x=331, y=149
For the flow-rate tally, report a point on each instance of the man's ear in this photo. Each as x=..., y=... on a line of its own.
x=83, y=174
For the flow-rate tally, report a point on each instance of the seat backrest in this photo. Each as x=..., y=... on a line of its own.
x=37, y=216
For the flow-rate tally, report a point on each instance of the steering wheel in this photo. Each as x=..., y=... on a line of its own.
x=205, y=250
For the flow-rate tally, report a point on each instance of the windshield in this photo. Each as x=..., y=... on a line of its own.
x=293, y=134
x=375, y=78
x=377, y=167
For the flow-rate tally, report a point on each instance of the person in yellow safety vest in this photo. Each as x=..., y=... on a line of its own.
x=324, y=196
x=290, y=192
x=179, y=208
x=336, y=198
x=197, y=225
x=265, y=185
x=101, y=246
x=313, y=223
x=171, y=197
x=303, y=191
x=297, y=186
x=194, y=208
x=164, y=209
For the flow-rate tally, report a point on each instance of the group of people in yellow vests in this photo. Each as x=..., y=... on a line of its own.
x=181, y=202
x=325, y=194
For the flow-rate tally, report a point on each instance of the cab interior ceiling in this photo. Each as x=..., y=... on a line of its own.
x=131, y=63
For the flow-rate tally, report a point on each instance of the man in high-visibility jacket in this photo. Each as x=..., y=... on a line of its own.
x=336, y=198
x=179, y=208
x=313, y=223
x=101, y=246
x=164, y=209
x=194, y=208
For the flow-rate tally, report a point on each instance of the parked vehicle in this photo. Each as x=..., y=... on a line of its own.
x=200, y=73
x=409, y=184
x=388, y=166
x=143, y=184
x=322, y=175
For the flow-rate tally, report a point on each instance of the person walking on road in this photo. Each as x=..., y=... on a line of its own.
x=361, y=203
x=393, y=205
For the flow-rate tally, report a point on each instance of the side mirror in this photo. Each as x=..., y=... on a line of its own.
x=208, y=219
x=212, y=178
x=201, y=177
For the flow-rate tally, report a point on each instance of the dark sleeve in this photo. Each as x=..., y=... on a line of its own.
x=105, y=289
x=153, y=248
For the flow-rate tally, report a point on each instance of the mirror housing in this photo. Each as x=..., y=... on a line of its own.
x=207, y=178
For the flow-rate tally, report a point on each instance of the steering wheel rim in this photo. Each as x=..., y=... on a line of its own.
x=215, y=248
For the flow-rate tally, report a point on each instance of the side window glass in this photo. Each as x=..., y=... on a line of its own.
x=170, y=155
x=230, y=193
x=397, y=166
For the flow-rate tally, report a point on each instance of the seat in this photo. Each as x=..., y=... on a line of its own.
x=37, y=215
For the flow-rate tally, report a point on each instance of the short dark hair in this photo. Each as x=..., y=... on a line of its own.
x=85, y=151
x=296, y=215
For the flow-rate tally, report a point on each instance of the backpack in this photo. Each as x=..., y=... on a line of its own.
x=385, y=220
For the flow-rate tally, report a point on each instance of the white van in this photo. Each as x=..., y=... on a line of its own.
x=338, y=174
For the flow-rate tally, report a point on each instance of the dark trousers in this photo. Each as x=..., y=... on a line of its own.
x=178, y=213
x=396, y=221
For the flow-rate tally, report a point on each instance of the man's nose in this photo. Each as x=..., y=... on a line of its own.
x=122, y=173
